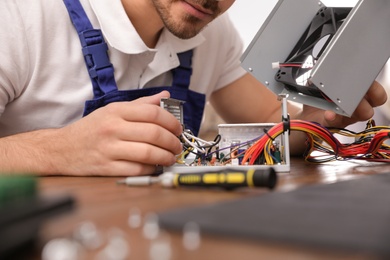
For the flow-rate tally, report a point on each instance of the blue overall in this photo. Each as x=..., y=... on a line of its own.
x=101, y=72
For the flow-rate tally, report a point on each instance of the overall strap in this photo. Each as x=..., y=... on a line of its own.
x=94, y=48
x=182, y=74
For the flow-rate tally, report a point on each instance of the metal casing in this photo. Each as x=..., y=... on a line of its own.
x=347, y=67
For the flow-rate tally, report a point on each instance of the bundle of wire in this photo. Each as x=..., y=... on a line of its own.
x=368, y=145
x=196, y=145
x=208, y=152
x=322, y=145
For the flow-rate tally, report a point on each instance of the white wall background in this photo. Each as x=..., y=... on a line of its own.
x=249, y=15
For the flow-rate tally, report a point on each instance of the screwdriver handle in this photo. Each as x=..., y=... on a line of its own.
x=228, y=179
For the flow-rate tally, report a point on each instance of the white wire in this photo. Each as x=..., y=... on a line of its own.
x=192, y=144
x=199, y=139
x=187, y=136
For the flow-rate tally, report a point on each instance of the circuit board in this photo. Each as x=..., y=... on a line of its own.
x=230, y=148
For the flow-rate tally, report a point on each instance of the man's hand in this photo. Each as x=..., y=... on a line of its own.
x=124, y=138
x=375, y=96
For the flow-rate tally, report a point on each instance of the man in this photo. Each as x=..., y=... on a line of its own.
x=52, y=60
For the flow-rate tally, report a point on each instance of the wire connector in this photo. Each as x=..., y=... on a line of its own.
x=276, y=65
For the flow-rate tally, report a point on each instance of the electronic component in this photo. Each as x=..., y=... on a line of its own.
x=348, y=47
x=296, y=70
x=174, y=106
x=236, y=139
x=230, y=146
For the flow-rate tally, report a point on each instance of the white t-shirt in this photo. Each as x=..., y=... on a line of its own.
x=44, y=82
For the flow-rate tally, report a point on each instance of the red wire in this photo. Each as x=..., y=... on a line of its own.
x=369, y=150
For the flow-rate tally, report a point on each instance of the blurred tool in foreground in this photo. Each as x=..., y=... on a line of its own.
x=228, y=179
x=23, y=210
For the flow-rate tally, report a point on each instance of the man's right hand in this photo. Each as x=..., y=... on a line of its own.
x=120, y=139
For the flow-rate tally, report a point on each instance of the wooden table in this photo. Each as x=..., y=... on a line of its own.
x=101, y=201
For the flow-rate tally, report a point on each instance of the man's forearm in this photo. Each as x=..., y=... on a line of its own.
x=31, y=152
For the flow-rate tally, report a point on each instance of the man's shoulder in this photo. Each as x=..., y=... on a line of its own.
x=32, y=13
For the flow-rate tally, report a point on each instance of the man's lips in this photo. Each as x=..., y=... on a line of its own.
x=200, y=8
x=197, y=10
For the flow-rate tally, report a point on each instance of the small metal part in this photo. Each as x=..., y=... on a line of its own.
x=139, y=181
x=151, y=228
x=61, y=248
x=117, y=247
x=173, y=106
x=191, y=236
x=135, y=218
x=160, y=247
x=88, y=235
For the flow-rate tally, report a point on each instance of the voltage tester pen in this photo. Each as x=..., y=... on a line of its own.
x=228, y=179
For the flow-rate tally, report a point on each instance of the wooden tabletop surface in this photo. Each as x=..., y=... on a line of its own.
x=105, y=204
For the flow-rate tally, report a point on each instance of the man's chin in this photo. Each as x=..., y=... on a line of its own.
x=186, y=33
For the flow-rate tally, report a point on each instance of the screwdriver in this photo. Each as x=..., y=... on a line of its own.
x=228, y=179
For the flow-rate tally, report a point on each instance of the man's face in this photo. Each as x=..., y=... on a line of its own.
x=186, y=18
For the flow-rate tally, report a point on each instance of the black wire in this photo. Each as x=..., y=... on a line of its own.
x=216, y=141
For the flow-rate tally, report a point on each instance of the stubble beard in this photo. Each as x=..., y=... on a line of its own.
x=185, y=27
